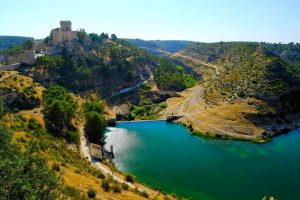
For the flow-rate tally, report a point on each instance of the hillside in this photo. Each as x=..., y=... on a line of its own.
x=8, y=41
x=243, y=83
x=160, y=47
x=52, y=162
x=103, y=66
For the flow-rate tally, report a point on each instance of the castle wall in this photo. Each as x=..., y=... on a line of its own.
x=59, y=36
x=26, y=56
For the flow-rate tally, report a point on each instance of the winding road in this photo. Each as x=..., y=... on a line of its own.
x=198, y=62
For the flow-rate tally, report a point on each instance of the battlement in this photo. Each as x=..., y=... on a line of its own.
x=65, y=25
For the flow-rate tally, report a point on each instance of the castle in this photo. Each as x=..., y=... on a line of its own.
x=64, y=34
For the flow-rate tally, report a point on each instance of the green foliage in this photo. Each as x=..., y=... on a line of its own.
x=9, y=41
x=55, y=166
x=188, y=81
x=95, y=123
x=93, y=106
x=113, y=37
x=147, y=112
x=95, y=38
x=91, y=193
x=105, y=184
x=109, y=64
x=246, y=69
x=81, y=35
x=29, y=44
x=125, y=186
x=129, y=178
x=70, y=191
x=169, y=76
x=116, y=188
x=104, y=36
x=25, y=176
x=52, y=63
x=14, y=50
x=94, y=127
x=59, y=109
x=3, y=109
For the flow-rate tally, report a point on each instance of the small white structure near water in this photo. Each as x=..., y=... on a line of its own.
x=96, y=151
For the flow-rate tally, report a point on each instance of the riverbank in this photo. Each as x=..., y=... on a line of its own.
x=114, y=173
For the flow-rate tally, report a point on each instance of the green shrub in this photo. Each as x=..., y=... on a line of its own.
x=129, y=178
x=91, y=193
x=125, y=186
x=144, y=194
x=72, y=136
x=55, y=166
x=70, y=191
x=116, y=188
x=105, y=185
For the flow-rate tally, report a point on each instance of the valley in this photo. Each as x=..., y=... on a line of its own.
x=60, y=97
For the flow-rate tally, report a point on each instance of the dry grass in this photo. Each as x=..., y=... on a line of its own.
x=223, y=118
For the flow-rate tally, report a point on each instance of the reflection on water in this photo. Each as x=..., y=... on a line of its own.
x=165, y=155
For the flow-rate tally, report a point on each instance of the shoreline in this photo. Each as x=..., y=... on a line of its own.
x=265, y=139
x=142, y=120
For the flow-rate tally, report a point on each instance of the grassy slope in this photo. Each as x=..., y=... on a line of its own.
x=236, y=76
x=77, y=173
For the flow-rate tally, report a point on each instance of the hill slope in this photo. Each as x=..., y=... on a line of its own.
x=8, y=41
x=242, y=82
x=160, y=47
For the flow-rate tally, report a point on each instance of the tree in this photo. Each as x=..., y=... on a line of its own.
x=95, y=124
x=81, y=35
x=3, y=109
x=28, y=45
x=169, y=76
x=113, y=37
x=25, y=176
x=93, y=106
x=95, y=37
x=59, y=109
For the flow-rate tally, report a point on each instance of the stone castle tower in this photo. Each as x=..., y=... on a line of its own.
x=64, y=34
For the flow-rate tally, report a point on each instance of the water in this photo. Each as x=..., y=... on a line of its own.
x=166, y=156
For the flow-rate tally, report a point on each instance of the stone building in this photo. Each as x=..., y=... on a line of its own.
x=26, y=56
x=64, y=34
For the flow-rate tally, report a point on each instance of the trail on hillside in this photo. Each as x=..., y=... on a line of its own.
x=198, y=62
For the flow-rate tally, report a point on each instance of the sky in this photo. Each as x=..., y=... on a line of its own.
x=197, y=20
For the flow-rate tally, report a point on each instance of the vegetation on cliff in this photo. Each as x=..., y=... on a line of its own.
x=59, y=110
x=169, y=76
x=99, y=64
x=25, y=175
x=245, y=69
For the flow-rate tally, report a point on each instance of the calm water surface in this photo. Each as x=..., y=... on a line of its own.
x=166, y=156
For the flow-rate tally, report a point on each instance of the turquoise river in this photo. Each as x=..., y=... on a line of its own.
x=164, y=155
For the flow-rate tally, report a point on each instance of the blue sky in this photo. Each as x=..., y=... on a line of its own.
x=199, y=20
